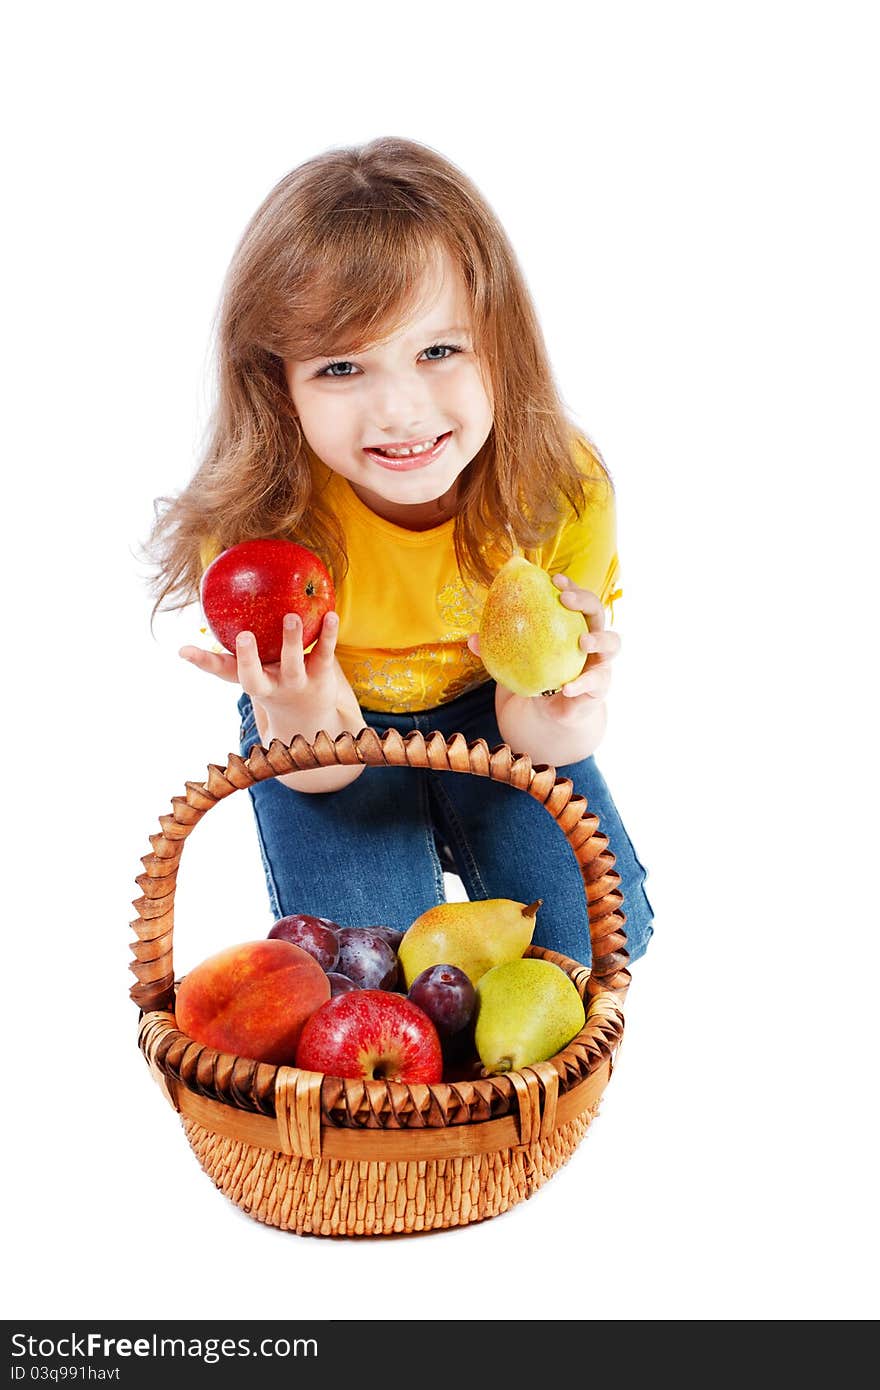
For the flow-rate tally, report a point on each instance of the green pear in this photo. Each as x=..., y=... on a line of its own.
x=526, y=1011
x=528, y=638
x=472, y=935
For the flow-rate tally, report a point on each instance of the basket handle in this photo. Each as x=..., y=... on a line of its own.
x=154, y=925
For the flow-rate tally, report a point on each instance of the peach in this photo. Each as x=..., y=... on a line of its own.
x=252, y=999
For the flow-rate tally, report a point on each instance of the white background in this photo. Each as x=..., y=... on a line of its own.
x=691, y=191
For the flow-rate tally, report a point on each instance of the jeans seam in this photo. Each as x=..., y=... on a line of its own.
x=422, y=724
x=427, y=824
x=456, y=829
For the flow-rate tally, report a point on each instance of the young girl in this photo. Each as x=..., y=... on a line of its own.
x=385, y=399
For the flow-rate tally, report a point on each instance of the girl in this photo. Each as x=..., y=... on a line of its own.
x=385, y=398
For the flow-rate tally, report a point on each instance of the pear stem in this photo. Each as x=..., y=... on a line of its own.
x=504, y=1064
x=532, y=909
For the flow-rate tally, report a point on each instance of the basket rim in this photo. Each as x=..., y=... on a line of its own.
x=245, y=1085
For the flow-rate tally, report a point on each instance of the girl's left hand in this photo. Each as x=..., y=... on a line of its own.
x=599, y=645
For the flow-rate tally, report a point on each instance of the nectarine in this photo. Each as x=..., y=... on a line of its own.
x=252, y=999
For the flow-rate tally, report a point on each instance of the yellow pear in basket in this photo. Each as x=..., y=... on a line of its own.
x=527, y=1010
x=472, y=935
x=528, y=638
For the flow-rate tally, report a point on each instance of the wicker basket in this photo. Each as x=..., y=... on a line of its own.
x=320, y=1155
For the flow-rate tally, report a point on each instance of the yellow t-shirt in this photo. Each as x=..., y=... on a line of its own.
x=405, y=614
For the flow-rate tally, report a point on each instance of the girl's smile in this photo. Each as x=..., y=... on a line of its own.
x=400, y=458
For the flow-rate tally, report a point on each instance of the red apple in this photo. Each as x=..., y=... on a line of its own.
x=371, y=1033
x=251, y=586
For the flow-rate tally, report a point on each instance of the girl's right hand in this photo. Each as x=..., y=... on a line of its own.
x=299, y=694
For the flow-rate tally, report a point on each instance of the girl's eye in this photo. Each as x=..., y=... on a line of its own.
x=346, y=369
x=449, y=348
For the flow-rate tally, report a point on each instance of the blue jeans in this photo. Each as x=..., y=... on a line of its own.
x=375, y=852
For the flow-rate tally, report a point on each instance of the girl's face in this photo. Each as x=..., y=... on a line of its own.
x=402, y=419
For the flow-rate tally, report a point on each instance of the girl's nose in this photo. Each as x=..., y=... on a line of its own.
x=401, y=409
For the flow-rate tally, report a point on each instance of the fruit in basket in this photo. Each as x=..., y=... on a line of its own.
x=527, y=1010
x=317, y=935
x=339, y=984
x=252, y=999
x=473, y=936
x=447, y=997
x=371, y=1033
x=366, y=958
x=251, y=586
x=391, y=935
x=529, y=640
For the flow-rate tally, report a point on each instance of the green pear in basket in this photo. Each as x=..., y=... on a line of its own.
x=473, y=936
x=526, y=1011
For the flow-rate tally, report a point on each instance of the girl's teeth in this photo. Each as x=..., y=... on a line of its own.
x=407, y=453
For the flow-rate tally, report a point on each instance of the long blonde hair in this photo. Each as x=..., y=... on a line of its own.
x=336, y=253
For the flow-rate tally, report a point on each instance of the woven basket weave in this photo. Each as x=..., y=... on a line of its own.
x=320, y=1155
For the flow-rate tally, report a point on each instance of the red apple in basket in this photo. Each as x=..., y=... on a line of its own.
x=252, y=999
x=371, y=1033
x=250, y=587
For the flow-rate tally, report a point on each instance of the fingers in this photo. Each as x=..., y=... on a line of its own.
x=295, y=667
x=473, y=643
x=282, y=682
x=214, y=663
x=604, y=643
x=321, y=655
x=584, y=600
x=251, y=676
x=595, y=679
x=594, y=682
x=292, y=668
